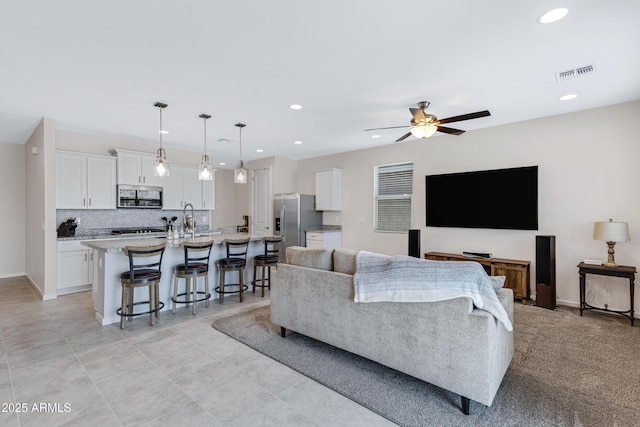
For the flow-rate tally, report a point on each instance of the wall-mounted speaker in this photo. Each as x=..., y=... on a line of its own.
x=414, y=243
x=546, y=272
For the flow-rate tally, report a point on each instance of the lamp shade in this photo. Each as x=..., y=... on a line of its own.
x=424, y=130
x=611, y=231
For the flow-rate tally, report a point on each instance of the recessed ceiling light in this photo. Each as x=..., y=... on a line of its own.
x=375, y=136
x=295, y=106
x=568, y=97
x=259, y=150
x=164, y=132
x=553, y=15
x=297, y=142
x=222, y=164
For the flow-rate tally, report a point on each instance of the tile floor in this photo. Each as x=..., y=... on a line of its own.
x=58, y=366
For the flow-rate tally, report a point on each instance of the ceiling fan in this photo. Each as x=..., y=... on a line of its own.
x=424, y=125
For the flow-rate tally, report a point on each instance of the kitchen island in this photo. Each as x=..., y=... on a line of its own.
x=110, y=261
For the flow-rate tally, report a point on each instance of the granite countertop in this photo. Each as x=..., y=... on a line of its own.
x=118, y=244
x=324, y=229
x=105, y=233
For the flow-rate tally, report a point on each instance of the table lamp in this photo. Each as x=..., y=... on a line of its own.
x=611, y=232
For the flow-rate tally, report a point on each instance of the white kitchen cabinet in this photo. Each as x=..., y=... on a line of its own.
x=329, y=190
x=182, y=186
x=324, y=239
x=209, y=193
x=136, y=168
x=85, y=181
x=75, y=267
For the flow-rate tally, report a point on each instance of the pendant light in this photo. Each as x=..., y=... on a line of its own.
x=204, y=170
x=240, y=176
x=161, y=166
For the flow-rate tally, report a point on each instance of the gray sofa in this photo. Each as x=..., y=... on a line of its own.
x=449, y=344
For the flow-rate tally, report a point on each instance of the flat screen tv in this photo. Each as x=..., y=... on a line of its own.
x=499, y=198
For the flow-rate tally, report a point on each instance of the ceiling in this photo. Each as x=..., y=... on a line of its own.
x=98, y=67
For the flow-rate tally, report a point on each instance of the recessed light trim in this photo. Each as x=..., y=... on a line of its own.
x=297, y=142
x=553, y=15
x=295, y=106
x=222, y=164
x=164, y=132
x=375, y=136
x=259, y=150
x=568, y=97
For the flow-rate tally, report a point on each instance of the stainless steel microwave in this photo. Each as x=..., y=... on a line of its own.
x=139, y=196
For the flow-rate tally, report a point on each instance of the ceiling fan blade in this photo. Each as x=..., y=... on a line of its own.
x=392, y=127
x=450, y=131
x=418, y=114
x=403, y=137
x=462, y=117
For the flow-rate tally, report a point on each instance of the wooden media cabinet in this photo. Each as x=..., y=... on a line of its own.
x=517, y=272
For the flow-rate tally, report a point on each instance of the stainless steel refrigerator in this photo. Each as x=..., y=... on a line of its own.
x=293, y=214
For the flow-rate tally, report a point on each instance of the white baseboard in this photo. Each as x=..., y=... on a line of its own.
x=636, y=315
x=44, y=297
x=10, y=275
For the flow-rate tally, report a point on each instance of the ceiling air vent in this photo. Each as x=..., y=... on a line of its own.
x=576, y=72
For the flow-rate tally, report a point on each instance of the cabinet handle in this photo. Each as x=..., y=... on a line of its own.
x=139, y=179
x=89, y=201
x=91, y=256
x=85, y=257
x=84, y=202
x=144, y=179
x=204, y=204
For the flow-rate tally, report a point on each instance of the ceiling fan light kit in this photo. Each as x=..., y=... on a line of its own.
x=423, y=130
x=424, y=125
x=161, y=167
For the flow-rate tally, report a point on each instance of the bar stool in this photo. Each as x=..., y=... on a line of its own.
x=144, y=270
x=236, y=260
x=196, y=264
x=266, y=260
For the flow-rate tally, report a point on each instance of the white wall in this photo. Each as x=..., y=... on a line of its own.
x=587, y=172
x=41, y=259
x=225, y=213
x=12, y=214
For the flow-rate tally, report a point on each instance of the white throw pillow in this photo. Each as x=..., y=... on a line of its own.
x=497, y=282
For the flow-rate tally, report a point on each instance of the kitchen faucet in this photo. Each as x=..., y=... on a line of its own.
x=189, y=220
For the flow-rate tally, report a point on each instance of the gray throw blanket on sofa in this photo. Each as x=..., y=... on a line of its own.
x=406, y=279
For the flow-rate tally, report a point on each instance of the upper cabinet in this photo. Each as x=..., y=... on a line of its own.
x=329, y=190
x=85, y=181
x=182, y=186
x=137, y=169
x=209, y=193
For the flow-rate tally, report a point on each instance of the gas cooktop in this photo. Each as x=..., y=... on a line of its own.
x=137, y=230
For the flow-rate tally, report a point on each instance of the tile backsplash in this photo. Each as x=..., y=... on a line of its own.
x=100, y=219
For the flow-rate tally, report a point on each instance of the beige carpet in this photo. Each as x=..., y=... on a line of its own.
x=567, y=371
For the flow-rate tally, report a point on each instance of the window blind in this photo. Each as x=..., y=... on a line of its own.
x=393, y=189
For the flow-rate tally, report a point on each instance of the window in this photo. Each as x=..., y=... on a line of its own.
x=392, y=191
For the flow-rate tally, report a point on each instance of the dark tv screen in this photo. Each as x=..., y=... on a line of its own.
x=499, y=198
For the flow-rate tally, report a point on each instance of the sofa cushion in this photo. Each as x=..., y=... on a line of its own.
x=319, y=258
x=497, y=282
x=344, y=261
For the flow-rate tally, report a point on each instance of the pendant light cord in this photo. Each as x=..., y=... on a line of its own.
x=161, y=128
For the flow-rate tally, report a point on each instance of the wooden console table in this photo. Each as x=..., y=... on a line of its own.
x=517, y=272
x=626, y=272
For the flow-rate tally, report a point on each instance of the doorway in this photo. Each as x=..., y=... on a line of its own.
x=261, y=202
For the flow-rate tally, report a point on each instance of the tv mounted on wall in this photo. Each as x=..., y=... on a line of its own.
x=499, y=198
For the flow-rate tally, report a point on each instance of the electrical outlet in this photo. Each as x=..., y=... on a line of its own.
x=78, y=220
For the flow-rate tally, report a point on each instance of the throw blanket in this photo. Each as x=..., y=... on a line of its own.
x=406, y=279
